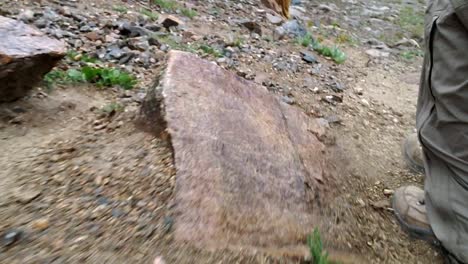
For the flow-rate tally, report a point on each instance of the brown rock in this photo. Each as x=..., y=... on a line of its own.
x=93, y=36
x=25, y=195
x=253, y=26
x=249, y=167
x=170, y=21
x=26, y=54
x=40, y=224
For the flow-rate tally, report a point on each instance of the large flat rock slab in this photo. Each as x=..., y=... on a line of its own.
x=26, y=54
x=250, y=169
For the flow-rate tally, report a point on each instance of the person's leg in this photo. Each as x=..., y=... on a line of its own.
x=442, y=123
x=412, y=153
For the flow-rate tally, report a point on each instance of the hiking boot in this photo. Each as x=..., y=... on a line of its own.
x=410, y=211
x=413, y=154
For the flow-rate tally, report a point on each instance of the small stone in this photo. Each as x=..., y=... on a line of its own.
x=364, y=102
x=337, y=87
x=408, y=43
x=169, y=21
x=110, y=38
x=388, y=192
x=360, y=202
x=141, y=204
x=376, y=53
x=153, y=41
x=18, y=109
x=332, y=99
x=159, y=260
x=308, y=57
x=132, y=31
x=80, y=239
x=98, y=180
x=85, y=28
x=51, y=15
x=253, y=27
x=116, y=212
x=116, y=53
x=25, y=196
x=26, y=16
x=287, y=100
x=153, y=27
x=93, y=36
x=275, y=20
x=334, y=119
x=293, y=27
x=40, y=224
x=100, y=127
x=11, y=236
x=382, y=204
x=325, y=8
x=41, y=23
x=168, y=223
x=140, y=44
x=358, y=91
x=279, y=33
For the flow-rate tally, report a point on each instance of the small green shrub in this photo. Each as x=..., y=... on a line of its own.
x=100, y=76
x=53, y=77
x=166, y=4
x=120, y=9
x=318, y=254
x=107, y=77
x=188, y=12
x=332, y=52
x=411, y=54
x=238, y=42
x=306, y=40
x=150, y=14
x=73, y=55
x=210, y=50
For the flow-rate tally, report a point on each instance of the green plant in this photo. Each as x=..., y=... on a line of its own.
x=73, y=55
x=343, y=38
x=334, y=52
x=150, y=14
x=99, y=76
x=169, y=41
x=305, y=40
x=107, y=77
x=54, y=76
x=238, y=41
x=318, y=254
x=166, y=4
x=210, y=50
x=121, y=9
x=411, y=54
x=74, y=75
x=188, y=12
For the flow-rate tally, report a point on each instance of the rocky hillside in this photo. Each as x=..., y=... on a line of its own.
x=83, y=183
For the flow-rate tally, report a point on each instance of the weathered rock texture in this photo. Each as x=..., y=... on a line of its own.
x=26, y=54
x=249, y=167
